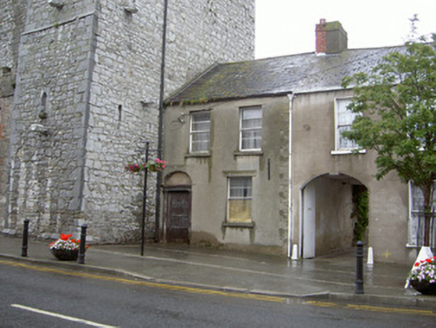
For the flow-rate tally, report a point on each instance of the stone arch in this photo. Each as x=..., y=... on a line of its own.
x=177, y=178
x=328, y=202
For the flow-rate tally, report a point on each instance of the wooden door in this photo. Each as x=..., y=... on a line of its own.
x=178, y=216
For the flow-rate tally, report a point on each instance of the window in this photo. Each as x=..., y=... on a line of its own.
x=200, y=132
x=415, y=235
x=251, y=128
x=239, y=200
x=344, y=119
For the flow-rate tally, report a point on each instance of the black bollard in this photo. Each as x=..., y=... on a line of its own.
x=25, y=238
x=82, y=246
x=359, y=268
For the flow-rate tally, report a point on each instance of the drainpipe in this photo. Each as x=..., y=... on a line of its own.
x=290, y=97
x=160, y=127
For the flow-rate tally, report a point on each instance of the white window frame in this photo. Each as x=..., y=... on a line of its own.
x=339, y=103
x=243, y=130
x=192, y=133
x=248, y=197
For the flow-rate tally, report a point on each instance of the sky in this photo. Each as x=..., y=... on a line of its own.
x=285, y=27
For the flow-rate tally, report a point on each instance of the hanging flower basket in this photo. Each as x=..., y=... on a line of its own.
x=423, y=276
x=65, y=248
x=153, y=165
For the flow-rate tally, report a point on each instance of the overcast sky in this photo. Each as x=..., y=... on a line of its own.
x=285, y=27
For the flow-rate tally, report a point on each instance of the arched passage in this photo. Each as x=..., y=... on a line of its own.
x=177, y=208
x=328, y=208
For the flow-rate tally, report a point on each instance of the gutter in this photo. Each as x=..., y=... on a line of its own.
x=170, y=102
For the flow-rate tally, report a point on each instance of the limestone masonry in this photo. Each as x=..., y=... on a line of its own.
x=80, y=85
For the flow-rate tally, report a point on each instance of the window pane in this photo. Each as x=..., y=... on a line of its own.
x=251, y=139
x=251, y=128
x=344, y=119
x=200, y=141
x=343, y=142
x=240, y=211
x=240, y=199
x=200, y=132
x=240, y=188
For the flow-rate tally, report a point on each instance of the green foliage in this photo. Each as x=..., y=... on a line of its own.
x=398, y=106
x=362, y=207
x=398, y=103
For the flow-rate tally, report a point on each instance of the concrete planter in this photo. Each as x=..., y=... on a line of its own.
x=424, y=287
x=65, y=255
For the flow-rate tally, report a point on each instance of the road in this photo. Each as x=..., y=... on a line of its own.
x=37, y=296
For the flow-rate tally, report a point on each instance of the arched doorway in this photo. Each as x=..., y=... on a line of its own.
x=328, y=214
x=177, y=208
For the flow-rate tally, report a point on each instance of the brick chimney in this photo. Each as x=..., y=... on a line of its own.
x=331, y=38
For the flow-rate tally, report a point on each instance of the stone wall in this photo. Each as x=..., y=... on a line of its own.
x=6, y=98
x=88, y=85
x=47, y=131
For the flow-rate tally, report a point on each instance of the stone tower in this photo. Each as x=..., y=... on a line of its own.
x=86, y=83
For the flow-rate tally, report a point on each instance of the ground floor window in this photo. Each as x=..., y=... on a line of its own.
x=239, y=200
x=415, y=237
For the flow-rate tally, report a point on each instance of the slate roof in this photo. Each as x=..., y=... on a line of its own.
x=299, y=73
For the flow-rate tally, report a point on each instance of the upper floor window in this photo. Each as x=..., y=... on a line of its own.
x=200, y=132
x=344, y=119
x=239, y=200
x=251, y=128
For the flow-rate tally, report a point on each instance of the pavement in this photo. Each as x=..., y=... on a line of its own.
x=329, y=278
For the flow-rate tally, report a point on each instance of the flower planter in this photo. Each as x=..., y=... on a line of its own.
x=65, y=255
x=424, y=287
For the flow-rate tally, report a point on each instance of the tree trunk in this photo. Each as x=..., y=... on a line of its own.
x=427, y=191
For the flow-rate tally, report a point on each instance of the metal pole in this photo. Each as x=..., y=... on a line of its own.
x=144, y=201
x=160, y=127
x=82, y=246
x=359, y=267
x=25, y=238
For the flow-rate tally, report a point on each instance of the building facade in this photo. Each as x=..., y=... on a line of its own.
x=256, y=148
x=87, y=83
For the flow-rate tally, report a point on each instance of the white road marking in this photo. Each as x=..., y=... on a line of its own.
x=61, y=316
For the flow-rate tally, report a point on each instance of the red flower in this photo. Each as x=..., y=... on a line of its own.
x=428, y=260
x=417, y=264
x=65, y=237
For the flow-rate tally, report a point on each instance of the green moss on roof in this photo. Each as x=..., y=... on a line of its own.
x=277, y=76
x=332, y=26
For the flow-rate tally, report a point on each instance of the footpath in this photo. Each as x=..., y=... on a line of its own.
x=330, y=278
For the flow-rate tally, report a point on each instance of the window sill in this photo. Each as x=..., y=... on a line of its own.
x=238, y=225
x=412, y=245
x=193, y=155
x=248, y=153
x=347, y=152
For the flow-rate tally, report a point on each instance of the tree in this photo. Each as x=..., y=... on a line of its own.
x=397, y=103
